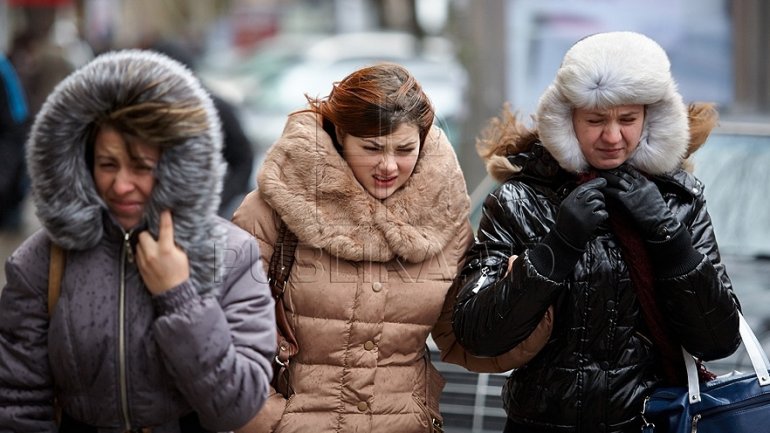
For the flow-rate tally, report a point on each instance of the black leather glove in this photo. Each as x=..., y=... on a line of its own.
x=668, y=242
x=643, y=201
x=576, y=221
x=581, y=212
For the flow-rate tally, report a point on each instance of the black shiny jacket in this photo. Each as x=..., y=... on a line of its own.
x=599, y=364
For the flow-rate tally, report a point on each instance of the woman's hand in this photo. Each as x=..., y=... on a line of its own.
x=162, y=264
x=580, y=213
x=643, y=201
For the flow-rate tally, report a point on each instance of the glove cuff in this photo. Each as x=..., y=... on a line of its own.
x=554, y=257
x=674, y=256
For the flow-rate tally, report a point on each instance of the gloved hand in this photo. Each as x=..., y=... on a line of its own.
x=581, y=212
x=576, y=221
x=643, y=201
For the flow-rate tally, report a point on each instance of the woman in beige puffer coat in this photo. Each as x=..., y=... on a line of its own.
x=374, y=193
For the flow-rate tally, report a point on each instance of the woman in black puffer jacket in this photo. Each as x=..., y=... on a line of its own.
x=597, y=217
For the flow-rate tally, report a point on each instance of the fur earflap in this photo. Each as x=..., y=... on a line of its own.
x=610, y=69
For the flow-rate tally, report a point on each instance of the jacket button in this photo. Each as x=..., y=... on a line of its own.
x=362, y=406
x=376, y=286
x=369, y=345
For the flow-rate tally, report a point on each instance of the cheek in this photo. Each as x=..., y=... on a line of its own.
x=586, y=136
x=586, y=140
x=632, y=135
x=361, y=166
x=146, y=184
x=101, y=181
x=406, y=164
x=362, y=162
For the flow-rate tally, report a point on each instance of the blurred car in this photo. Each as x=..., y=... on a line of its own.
x=272, y=82
x=733, y=166
x=266, y=110
x=241, y=76
x=235, y=75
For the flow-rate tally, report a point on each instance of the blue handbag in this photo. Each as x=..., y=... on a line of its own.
x=731, y=403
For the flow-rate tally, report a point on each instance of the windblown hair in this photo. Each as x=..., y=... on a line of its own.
x=161, y=123
x=502, y=136
x=376, y=100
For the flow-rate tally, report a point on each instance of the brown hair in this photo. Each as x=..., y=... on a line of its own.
x=151, y=117
x=374, y=101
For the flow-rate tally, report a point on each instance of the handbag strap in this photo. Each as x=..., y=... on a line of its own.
x=277, y=276
x=757, y=356
x=55, y=273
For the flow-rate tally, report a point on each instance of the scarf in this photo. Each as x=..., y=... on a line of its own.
x=637, y=258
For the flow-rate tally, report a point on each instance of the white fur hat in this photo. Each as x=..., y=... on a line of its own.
x=610, y=69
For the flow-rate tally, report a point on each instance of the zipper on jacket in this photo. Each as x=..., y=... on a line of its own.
x=127, y=254
x=482, y=279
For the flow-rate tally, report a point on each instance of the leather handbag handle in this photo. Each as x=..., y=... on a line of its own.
x=277, y=276
x=757, y=355
x=55, y=272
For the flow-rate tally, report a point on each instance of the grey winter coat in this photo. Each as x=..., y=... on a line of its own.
x=115, y=356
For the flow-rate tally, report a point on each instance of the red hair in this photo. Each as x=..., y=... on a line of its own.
x=374, y=101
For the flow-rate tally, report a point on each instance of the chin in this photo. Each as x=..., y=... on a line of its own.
x=128, y=223
x=380, y=194
x=608, y=165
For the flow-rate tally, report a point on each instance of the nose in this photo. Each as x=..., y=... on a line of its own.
x=124, y=182
x=388, y=163
x=611, y=133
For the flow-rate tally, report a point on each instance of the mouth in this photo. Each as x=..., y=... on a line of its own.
x=384, y=181
x=126, y=207
x=611, y=152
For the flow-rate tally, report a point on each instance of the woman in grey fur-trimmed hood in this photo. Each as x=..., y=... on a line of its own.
x=164, y=318
x=598, y=218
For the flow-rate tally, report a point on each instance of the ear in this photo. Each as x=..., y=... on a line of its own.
x=340, y=135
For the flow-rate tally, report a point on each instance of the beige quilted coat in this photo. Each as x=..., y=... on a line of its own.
x=368, y=285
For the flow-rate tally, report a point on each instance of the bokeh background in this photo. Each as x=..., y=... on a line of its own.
x=262, y=56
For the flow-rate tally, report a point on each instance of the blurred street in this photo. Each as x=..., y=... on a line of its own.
x=10, y=240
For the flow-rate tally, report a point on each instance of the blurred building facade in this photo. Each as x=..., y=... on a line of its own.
x=720, y=49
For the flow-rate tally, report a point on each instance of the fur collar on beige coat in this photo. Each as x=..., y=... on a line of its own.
x=306, y=181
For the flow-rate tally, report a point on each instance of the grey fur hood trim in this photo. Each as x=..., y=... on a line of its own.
x=608, y=69
x=188, y=175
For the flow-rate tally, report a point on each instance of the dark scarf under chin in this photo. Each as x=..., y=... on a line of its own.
x=640, y=271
